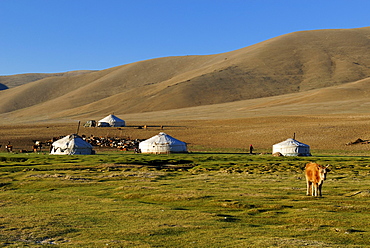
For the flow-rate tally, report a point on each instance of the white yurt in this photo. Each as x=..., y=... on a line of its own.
x=71, y=145
x=291, y=147
x=111, y=121
x=162, y=143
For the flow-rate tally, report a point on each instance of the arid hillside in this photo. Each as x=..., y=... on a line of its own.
x=290, y=74
x=20, y=79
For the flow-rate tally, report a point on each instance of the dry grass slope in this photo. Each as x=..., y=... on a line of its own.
x=290, y=69
x=20, y=79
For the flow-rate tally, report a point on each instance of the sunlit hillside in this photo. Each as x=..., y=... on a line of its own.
x=295, y=72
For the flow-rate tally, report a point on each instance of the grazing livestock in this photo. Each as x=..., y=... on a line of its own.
x=9, y=147
x=315, y=176
x=37, y=146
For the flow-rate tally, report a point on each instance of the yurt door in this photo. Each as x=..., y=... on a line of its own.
x=162, y=148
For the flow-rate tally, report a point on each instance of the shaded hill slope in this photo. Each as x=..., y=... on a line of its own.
x=292, y=63
x=3, y=87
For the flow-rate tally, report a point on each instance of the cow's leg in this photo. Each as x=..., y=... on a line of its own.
x=314, y=189
x=319, y=188
x=309, y=185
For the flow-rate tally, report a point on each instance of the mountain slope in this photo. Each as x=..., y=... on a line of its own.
x=20, y=79
x=292, y=63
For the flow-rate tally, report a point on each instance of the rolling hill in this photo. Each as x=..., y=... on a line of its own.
x=20, y=79
x=316, y=72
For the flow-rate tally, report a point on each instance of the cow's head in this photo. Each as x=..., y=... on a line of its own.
x=323, y=170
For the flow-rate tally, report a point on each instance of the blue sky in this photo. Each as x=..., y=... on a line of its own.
x=65, y=35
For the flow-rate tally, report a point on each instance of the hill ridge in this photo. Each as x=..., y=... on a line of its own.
x=293, y=63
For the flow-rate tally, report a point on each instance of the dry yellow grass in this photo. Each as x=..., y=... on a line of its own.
x=20, y=79
x=322, y=133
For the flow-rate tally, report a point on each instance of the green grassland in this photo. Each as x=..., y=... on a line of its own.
x=181, y=200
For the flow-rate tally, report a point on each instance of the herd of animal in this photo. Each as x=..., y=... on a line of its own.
x=123, y=144
x=114, y=142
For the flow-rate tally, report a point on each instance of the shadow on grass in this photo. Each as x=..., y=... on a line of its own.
x=227, y=218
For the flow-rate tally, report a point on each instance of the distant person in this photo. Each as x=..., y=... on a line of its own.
x=251, y=149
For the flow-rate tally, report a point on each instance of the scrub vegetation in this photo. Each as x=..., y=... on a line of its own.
x=181, y=200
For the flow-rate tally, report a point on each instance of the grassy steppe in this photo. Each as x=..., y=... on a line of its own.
x=181, y=200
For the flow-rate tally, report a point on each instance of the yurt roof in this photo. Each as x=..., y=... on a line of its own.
x=111, y=118
x=290, y=143
x=72, y=140
x=163, y=138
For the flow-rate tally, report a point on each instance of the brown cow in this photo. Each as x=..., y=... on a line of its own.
x=315, y=176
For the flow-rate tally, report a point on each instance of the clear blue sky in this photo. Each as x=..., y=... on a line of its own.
x=65, y=35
